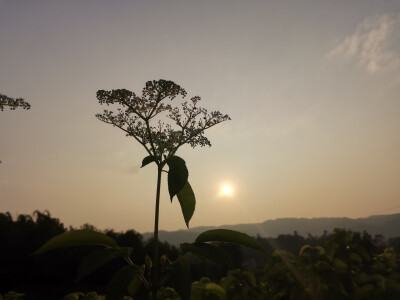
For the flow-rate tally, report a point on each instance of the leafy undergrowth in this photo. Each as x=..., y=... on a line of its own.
x=341, y=269
x=340, y=265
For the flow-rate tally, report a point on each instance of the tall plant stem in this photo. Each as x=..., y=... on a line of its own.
x=155, y=253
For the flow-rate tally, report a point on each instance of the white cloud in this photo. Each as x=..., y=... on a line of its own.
x=375, y=45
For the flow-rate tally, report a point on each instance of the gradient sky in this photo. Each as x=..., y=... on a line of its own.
x=312, y=88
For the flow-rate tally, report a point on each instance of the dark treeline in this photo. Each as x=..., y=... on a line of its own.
x=53, y=274
x=373, y=245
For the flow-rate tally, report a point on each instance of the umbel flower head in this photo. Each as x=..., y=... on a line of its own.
x=151, y=119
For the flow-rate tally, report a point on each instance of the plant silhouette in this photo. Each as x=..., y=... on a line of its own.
x=161, y=128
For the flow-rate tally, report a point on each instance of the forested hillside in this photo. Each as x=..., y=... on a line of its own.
x=336, y=265
x=386, y=225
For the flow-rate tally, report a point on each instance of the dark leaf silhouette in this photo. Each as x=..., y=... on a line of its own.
x=77, y=238
x=187, y=200
x=177, y=175
x=229, y=236
x=99, y=258
x=118, y=286
x=147, y=160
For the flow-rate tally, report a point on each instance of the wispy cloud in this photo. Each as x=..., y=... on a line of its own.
x=375, y=45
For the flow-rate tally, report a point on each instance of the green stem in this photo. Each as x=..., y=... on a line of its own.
x=155, y=253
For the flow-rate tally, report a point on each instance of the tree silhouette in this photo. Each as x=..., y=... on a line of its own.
x=13, y=103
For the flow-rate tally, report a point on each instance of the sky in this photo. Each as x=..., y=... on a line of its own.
x=312, y=88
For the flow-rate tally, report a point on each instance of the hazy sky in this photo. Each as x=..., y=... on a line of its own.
x=312, y=88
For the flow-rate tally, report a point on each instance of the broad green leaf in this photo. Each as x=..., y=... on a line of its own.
x=229, y=236
x=148, y=262
x=72, y=296
x=356, y=258
x=134, y=285
x=340, y=266
x=304, y=249
x=187, y=201
x=179, y=272
x=216, y=290
x=98, y=258
x=147, y=160
x=203, y=250
x=207, y=290
x=251, y=277
x=118, y=286
x=77, y=238
x=177, y=175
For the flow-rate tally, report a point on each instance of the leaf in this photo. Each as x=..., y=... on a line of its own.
x=147, y=160
x=207, y=290
x=187, y=201
x=77, y=238
x=229, y=236
x=98, y=258
x=203, y=250
x=215, y=289
x=177, y=175
x=118, y=285
x=250, y=277
x=148, y=262
x=179, y=272
x=134, y=285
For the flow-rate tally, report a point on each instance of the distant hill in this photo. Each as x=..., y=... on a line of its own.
x=387, y=225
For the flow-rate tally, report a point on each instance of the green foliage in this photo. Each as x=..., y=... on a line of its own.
x=241, y=285
x=99, y=258
x=179, y=273
x=77, y=238
x=229, y=236
x=341, y=265
x=89, y=296
x=342, y=269
x=203, y=251
x=117, y=287
x=207, y=290
x=177, y=175
x=12, y=295
x=168, y=293
x=134, y=285
x=187, y=200
x=83, y=296
x=147, y=160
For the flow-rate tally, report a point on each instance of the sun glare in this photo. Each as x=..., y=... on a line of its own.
x=226, y=190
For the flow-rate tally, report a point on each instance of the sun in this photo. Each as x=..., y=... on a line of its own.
x=226, y=190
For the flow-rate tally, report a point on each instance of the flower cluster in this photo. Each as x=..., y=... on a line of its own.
x=160, y=127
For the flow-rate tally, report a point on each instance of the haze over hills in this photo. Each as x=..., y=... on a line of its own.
x=387, y=225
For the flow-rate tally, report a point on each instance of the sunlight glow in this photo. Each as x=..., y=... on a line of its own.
x=227, y=190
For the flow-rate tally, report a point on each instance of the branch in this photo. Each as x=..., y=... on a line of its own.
x=13, y=103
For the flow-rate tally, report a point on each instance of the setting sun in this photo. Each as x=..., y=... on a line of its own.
x=227, y=190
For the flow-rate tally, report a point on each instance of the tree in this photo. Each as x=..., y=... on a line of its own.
x=13, y=103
